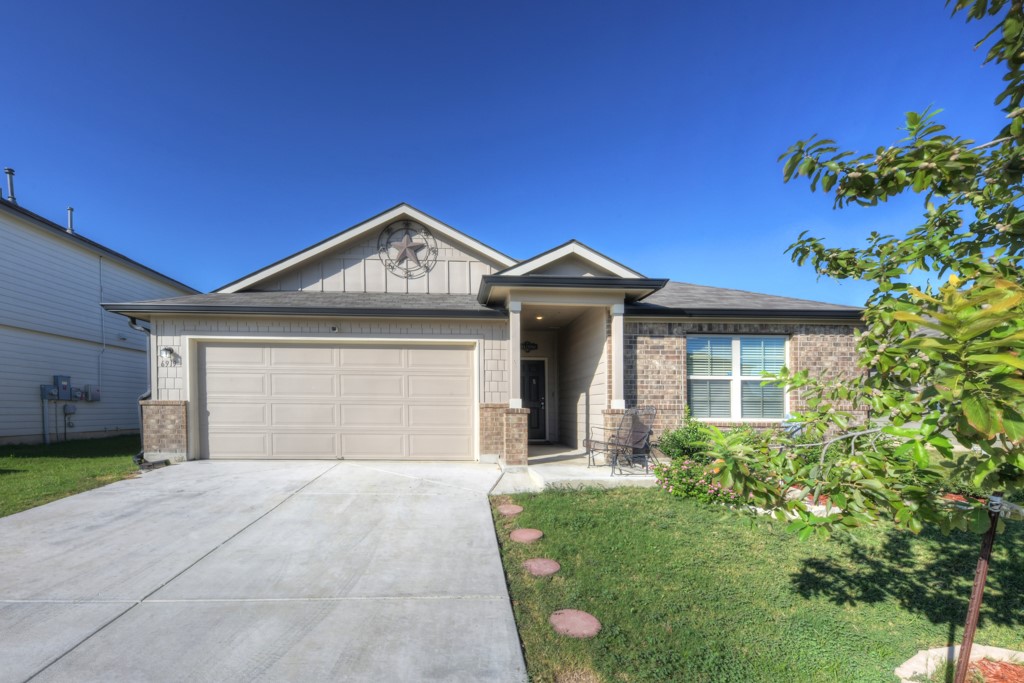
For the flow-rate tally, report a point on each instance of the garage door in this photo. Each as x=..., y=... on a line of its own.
x=291, y=400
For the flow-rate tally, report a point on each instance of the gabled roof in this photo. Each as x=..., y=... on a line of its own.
x=402, y=210
x=571, y=248
x=334, y=304
x=58, y=231
x=683, y=299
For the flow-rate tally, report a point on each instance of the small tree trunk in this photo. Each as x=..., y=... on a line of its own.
x=995, y=503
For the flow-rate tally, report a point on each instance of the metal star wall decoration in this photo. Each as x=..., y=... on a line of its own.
x=407, y=249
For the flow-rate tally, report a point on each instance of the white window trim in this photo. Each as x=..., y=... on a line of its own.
x=736, y=380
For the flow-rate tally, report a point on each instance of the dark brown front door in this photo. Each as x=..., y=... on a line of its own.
x=533, y=392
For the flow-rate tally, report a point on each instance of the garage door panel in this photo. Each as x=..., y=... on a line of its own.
x=440, y=416
x=302, y=384
x=372, y=386
x=236, y=384
x=368, y=357
x=381, y=446
x=237, y=444
x=397, y=400
x=304, y=444
x=236, y=414
x=433, y=357
x=235, y=355
x=383, y=415
x=289, y=414
x=439, y=446
x=302, y=356
x=439, y=386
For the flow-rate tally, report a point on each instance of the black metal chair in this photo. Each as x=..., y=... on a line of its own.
x=626, y=447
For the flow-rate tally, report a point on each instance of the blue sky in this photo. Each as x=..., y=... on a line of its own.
x=208, y=139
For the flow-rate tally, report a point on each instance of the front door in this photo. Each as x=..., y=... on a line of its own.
x=533, y=392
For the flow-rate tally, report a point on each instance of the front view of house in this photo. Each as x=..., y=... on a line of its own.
x=403, y=338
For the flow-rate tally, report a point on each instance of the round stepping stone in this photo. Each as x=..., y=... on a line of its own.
x=541, y=566
x=510, y=510
x=526, y=535
x=574, y=623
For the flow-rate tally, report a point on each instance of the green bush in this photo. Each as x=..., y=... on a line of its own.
x=689, y=440
x=689, y=478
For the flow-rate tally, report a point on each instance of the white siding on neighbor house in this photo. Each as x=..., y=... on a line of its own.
x=51, y=323
x=358, y=268
x=492, y=335
x=582, y=348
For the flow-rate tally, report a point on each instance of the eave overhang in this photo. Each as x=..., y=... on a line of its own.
x=495, y=288
x=147, y=311
x=648, y=311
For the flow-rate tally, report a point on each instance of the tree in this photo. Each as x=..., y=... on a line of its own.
x=942, y=350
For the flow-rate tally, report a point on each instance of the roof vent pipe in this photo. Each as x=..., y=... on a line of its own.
x=71, y=220
x=10, y=185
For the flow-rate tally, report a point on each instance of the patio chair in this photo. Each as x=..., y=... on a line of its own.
x=627, y=446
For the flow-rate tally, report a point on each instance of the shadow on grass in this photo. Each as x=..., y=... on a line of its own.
x=4, y=471
x=929, y=575
x=115, y=446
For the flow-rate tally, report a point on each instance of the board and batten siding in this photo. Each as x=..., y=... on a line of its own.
x=583, y=372
x=358, y=268
x=51, y=323
x=492, y=336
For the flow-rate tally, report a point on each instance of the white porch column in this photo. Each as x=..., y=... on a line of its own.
x=618, y=354
x=515, y=308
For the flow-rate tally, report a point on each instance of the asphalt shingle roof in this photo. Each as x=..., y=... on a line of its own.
x=689, y=299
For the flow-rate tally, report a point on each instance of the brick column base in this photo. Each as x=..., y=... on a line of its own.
x=612, y=417
x=165, y=430
x=492, y=431
x=516, y=433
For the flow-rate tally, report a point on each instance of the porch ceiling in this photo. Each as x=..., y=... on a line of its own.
x=551, y=316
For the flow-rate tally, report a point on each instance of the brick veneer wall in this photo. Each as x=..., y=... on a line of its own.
x=516, y=431
x=492, y=428
x=165, y=430
x=655, y=359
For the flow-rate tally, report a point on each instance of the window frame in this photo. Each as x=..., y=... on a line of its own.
x=735, y=378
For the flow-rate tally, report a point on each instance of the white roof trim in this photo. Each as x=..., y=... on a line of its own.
x=400, y=211
x=571, y=248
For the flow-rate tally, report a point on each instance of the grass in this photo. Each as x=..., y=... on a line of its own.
x=691, y=592
x=34, y=475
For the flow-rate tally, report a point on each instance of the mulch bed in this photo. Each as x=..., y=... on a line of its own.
x=998, y=672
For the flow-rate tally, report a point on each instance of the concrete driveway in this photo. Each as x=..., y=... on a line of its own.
x=276, y=571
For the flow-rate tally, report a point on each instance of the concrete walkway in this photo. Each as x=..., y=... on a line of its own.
x=270, y=571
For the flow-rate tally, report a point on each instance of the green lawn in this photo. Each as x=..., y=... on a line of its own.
x=33, y=475
x=689, y=592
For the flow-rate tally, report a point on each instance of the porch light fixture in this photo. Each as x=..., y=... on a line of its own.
x=167, y=353
x=540, y=317
x=528, y=346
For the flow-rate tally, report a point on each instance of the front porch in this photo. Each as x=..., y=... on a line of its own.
x=560, y=466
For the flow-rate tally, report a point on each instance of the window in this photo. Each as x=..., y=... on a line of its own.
x=724, y=375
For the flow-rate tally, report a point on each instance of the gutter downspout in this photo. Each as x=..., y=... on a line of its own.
x=132, y=323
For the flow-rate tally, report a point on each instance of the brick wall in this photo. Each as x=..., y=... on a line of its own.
x=655, y=359
x=516, y=430
x=165, y=430
x=492, y=428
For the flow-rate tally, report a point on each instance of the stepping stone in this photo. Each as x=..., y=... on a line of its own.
x=574, y=623
x=510, y=510
x=541, y=566
x=526, y=535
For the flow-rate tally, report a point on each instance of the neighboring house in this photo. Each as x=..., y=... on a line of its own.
x=404, y=338
x=52, y=282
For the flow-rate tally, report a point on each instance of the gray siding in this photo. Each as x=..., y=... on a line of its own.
x=358, y=268
x=51, y=323
x=583, y=387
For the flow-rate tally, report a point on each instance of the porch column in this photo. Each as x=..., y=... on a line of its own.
x=515, y=308
x=618, y=356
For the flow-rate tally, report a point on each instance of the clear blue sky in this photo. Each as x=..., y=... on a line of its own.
x=208, y=139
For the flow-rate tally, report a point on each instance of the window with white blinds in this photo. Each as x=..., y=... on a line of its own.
x=724, y=376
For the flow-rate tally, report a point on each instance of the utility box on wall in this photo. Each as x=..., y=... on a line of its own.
x=63, y=383
x=92, y=392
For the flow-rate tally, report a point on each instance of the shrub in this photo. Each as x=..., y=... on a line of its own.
x=689, y=478
x=689, y=440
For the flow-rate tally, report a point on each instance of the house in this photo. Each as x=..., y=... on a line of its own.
x=403, y=338
x=52, y=282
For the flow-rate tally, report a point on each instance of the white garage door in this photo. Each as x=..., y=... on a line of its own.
x=380, y=401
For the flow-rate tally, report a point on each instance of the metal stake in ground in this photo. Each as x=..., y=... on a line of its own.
x=995, y=504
